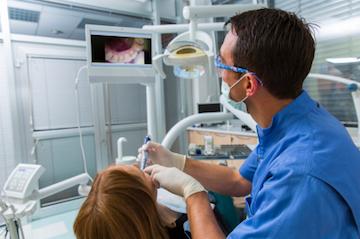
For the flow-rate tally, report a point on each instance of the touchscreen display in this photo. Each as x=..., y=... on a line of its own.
x=120, y=50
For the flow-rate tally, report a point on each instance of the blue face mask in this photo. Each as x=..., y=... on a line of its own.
x=225, y=90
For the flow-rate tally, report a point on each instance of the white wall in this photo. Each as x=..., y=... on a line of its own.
x=7, y=160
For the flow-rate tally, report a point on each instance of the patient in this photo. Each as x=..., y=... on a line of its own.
x=122, y=204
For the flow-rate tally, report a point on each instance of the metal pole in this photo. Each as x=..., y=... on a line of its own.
x=151, y=110
x=158, y=113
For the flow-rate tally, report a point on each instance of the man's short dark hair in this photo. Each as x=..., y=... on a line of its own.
x=277, y=46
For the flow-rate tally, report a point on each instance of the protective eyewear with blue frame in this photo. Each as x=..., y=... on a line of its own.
x=221, y=65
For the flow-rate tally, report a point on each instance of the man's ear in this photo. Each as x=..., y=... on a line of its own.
x=252, y=85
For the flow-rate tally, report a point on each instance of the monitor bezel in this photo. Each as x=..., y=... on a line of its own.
x=100, y=30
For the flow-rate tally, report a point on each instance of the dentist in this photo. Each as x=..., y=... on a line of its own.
x=303, y=177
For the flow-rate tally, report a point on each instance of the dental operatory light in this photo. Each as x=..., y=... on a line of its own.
x=190, y=58
x=189, y=72
x=343, y=60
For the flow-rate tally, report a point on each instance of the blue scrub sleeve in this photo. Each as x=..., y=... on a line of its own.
x=247, y=170
x=300, y=206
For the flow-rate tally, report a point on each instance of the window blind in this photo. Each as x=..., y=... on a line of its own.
x=337, y=36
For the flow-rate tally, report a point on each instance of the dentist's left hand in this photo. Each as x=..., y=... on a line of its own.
x=174, y=180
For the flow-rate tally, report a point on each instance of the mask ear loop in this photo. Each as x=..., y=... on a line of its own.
x=236, y=84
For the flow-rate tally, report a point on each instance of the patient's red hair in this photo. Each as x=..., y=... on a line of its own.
x=119, y=205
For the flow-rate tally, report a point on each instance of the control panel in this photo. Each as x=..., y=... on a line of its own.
x=23, y=180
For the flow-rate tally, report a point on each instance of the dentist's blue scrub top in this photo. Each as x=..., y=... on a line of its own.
x=305, y=176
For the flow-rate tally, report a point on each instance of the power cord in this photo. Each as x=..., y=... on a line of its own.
x=78, y=119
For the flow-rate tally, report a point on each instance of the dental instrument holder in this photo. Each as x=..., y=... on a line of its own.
x=123, y=160
x=145, y=154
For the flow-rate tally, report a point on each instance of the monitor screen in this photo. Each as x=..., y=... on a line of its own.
x=120, y=50
x=209, y=107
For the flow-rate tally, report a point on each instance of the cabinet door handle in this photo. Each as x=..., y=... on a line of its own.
x=244, y=137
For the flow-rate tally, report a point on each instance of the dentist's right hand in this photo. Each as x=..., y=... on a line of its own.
x=158, y=154
x=174, y=180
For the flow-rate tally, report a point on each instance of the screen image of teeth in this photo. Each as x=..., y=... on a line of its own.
x=121, y=50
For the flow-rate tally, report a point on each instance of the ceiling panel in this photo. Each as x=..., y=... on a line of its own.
x=51, y=22
x=66, y=11
x=25, y=5
x=66, y=19
x=78, y=34
x=22, y=27
x=131, y=7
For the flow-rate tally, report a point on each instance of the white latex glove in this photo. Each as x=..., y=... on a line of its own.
x=158, y=154
x=174, y=180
